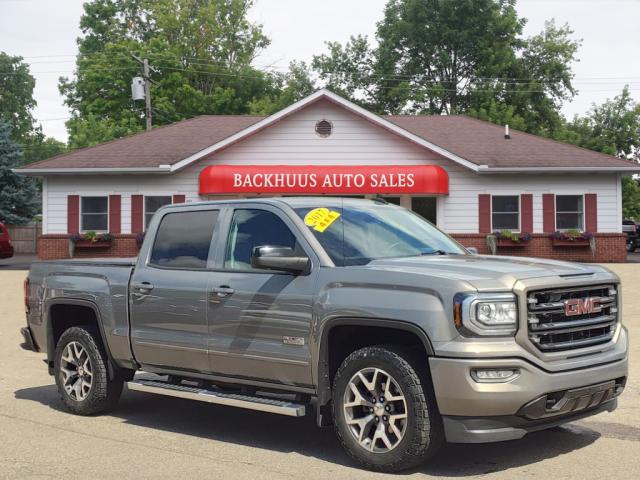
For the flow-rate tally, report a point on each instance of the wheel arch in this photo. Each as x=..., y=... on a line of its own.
x=54, y=326
x=327, y=364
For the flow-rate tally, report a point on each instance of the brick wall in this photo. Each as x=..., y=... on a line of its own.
x=57, y=246
x=609, y=248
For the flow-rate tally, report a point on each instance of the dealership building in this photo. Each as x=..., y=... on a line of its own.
x=470, y=178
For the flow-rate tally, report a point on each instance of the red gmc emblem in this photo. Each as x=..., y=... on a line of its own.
x=582, y=306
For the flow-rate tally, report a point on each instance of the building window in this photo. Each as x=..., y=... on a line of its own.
x=151, y=205
x=569, y=212
x=94, y=214
x=505, y=212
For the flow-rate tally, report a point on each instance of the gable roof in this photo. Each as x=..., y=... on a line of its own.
x=474, y=144
x=484, y=144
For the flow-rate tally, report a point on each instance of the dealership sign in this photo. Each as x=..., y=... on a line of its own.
x=337, y=179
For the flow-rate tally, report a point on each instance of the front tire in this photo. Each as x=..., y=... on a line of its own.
x=82, y=377
x=384, y=411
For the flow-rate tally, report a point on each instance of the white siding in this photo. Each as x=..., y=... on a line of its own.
x=354, y=141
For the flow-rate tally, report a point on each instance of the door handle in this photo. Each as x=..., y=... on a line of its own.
x=143, y=287
x=222, y=291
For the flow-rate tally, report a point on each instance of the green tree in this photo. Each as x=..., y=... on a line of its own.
x=456, y=56
x=19, y=198
x=202, y=52
x=16, y=96
x=16, y=108
x=614, y=128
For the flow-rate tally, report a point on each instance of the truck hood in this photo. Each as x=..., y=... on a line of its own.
x=486, y=272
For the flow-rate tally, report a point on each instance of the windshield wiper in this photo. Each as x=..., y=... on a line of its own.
x=435, y=252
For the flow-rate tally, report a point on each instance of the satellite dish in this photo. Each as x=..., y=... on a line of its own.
x=137, y=88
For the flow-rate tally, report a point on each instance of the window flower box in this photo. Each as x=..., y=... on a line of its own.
x=89, y=240
x=93, y=244
x=571, y=238
x=507, y=239
x=509, y=243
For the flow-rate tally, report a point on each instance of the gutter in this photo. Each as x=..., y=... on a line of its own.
x=488, y=169
x=162, y=169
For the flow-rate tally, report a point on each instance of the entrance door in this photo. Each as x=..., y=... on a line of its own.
x=260, y=323
x=427, y=207
x=169, y=293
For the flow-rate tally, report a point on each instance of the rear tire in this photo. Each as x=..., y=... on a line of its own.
x=81, y=373
x=402, y=428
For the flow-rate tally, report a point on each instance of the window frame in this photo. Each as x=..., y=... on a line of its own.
x=81, y=213
x=226, y=231
x=519, y=229
x=556, y=211
x=144, y=208
x=213, y=245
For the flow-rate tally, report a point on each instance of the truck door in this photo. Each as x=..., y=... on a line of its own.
x=260, y=320
x=168, y=292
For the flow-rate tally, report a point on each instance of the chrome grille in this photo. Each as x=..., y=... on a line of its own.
x=551, y=329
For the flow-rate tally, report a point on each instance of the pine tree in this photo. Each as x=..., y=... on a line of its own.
x=19, y=196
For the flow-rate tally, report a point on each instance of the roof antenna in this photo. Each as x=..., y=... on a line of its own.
x=506, y=132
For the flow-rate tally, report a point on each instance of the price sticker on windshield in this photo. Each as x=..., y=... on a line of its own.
x=320, y=218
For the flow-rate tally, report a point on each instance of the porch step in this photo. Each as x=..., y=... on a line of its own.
x=261, y=404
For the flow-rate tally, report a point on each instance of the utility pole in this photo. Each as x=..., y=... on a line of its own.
x=146, y=69
x=147, y=91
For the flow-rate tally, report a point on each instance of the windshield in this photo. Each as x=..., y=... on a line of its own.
x=358, y=234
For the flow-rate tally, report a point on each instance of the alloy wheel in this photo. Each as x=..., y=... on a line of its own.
x=76, y=371
x=375, y=410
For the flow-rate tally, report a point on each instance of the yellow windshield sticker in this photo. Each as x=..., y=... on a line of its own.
x=320, y=218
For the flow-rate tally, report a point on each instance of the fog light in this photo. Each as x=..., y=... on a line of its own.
x=494, y=375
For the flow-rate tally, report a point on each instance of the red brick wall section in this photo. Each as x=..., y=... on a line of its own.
x=610, y=248
x=51, y=247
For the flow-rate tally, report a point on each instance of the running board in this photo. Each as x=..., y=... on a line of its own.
x=280, y=407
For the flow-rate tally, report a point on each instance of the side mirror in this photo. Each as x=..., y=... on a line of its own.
x=472, y=250
x=278, y=258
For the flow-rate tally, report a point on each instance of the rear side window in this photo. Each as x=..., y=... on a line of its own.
x=183, y=239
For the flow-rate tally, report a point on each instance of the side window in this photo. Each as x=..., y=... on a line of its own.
x=255, y=228
x=183, y=239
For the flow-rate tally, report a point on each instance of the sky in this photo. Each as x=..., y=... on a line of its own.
x=44, y=32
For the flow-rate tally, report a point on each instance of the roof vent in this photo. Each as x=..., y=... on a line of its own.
x=506, y=132
x=324, y=128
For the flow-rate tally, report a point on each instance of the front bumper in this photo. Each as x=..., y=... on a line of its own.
x=535, y=399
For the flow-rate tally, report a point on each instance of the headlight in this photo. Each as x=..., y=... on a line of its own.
x=486, y=314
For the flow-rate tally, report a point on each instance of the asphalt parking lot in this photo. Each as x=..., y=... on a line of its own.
x=150, y=436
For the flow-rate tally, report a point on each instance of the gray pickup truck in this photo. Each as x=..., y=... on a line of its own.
x=357, y=310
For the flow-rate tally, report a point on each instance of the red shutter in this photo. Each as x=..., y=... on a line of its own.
x=591, y=212
x=549, y=212
x=73, y=214
x=526, y=213
x=115, y=209
x=484, y=213
x=137, y=213
x=179, y=199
